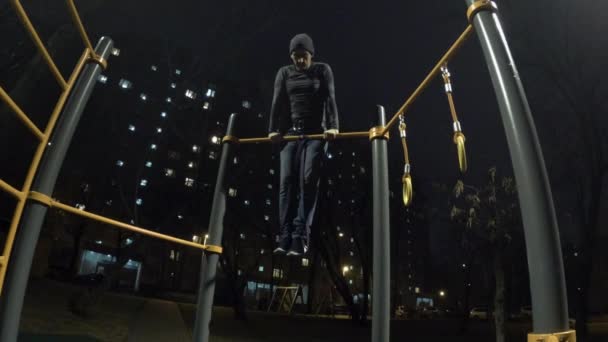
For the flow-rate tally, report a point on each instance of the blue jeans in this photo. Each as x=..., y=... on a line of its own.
x=301, y=162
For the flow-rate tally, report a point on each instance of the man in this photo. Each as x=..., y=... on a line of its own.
x=303, y=103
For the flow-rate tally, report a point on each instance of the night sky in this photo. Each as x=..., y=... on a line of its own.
x=379, y=52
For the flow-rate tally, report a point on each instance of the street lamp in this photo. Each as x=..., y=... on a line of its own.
x=441, y=293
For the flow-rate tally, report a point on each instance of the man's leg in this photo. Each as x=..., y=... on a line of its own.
x=287, y=195
x=310, y=164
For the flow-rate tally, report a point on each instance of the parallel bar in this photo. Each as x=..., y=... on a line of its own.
x=381, y=289
x=29, y=178
x=545, y=264
x=209, y=262
x=18, y=269
x=20, y=114
x=79, y=26
x=434, y=72
x=11, y=190
x=125, y=226
x=346, y=135
x=25, y=20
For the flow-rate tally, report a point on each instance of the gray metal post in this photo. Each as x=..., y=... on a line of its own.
x=547, y=283
x=18, y=270
x=216, y=229
x=381, y=293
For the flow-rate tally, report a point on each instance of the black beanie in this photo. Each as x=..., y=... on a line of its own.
x=303, y=41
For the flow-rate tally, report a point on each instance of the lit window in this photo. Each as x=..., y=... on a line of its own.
x=210, y=93
x=196, y=238
x=125, y=84
x=350, y=281
x=352, y=253
x=269, y=186
x=173, y=85
x=163, y=114
x=191, y=165
x=416, y=289
x=172, y=255
x=139, y=201
x=271, y=171
x=159, y=130
x=80, y=206
x=238, y=272
x=232, y=192
x=148, y=164
x=246, y=104
x=120, y=163
x=277, y=273
x=143, y=97
x=216, y=140
x=153, y=68
x=338, y=228
x=169, y=173
x=260, y=115
x=195, y=148
x=98, y=242
x=143, y=182
x=353, y=154
x=212, y=155
x=235, y=160
x=190, y=94
x=168, y=99
x=189, y=182
x=242, y=236
x=341, y=234
x=102, y=78
x=266, y=218
x=246, y=202
x=329, y=156
x=268, y=202
x=131, y=128
x=178, y=72
x=153, y=146
x=261, y=251
x=128, y=241
x=261, y=268
x=179, y=217
x=352, y=240
x=206, y=105
x=109, y=202
x=305, y=262
x=115, y=52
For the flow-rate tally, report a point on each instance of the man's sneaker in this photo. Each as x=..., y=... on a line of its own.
x=284, y=245
x=298, y=247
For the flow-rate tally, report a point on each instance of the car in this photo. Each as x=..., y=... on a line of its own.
x=479, y=312
x=430, y=312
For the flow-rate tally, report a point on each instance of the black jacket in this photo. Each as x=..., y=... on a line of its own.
x=306, y=96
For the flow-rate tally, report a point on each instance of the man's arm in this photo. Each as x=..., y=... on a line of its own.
x=278, y=102
x=331, y=108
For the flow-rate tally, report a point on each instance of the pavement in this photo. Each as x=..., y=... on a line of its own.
x=159, y=321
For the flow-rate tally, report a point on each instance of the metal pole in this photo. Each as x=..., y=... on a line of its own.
x=18, y=270
x=547, y=284
x=381, y=292
x=216, y=229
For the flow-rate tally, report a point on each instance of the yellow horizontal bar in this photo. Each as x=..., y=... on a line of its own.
x=11, y=190
x=346, y=135
x=25, y=20
x=20, y=114
x=125, y=226
x=452, y=50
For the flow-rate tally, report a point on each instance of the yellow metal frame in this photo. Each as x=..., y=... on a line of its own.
x=25, y=193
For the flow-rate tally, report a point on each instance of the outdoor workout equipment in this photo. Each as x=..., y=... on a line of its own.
x=283, y=299
x=543, y=248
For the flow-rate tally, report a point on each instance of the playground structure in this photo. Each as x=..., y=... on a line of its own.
x=547, y=283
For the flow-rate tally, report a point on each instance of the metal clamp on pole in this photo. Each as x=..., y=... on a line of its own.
x=41, y=198
x=95, y=58
x=459, y=138
x=478, y=6
x=407, y=178
x=213, y=249
x=377, y=132
x=566, y=336
x=230, y=138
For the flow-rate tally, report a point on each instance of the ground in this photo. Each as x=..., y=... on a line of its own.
x=126, y=318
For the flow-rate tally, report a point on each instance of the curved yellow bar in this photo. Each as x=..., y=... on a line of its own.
x=459, y=140
x=408, y=191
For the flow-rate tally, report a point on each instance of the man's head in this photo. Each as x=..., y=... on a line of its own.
x=301, y=50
